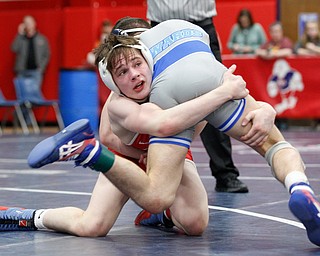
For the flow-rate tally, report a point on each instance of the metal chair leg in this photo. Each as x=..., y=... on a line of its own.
x=21, y=120
x=33, y=120
x=58, y=116
x=5, y=117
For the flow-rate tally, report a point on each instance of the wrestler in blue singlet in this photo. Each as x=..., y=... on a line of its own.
x=174, y=44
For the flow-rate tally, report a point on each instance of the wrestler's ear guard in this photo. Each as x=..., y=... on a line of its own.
x=106, y=76
x=146, y=54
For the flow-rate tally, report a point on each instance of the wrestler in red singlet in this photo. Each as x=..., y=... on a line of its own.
x=141, y=141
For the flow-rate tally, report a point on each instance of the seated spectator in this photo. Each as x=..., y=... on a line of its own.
x=309, y=43
x=279, y=46
x=246, y=35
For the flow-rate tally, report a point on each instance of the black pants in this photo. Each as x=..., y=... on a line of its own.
x=216, y=143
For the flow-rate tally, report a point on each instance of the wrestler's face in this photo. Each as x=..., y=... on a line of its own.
x=133, y=76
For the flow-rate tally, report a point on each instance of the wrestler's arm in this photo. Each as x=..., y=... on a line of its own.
x=150, y=119
x=111, y=140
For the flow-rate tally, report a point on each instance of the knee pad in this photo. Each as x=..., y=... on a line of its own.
x=274, y=149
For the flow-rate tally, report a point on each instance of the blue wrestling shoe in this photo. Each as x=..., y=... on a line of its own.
x=75, y=142
x=16, y=219
x=306, y=208
x=146, y=218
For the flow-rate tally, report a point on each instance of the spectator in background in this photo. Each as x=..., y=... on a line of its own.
x=32, y=50
x=246, y=35
x=106, y=28
x=217, y=143
x=309, y=43
x=278, y=46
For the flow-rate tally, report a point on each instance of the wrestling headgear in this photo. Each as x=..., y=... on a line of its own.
x=106, y=76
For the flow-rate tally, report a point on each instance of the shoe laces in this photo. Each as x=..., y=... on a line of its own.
x=71, y=151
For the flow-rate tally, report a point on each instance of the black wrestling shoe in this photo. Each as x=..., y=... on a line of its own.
x=233, y=185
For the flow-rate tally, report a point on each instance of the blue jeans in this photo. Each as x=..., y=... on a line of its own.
x=30, y=89
x=33, y=82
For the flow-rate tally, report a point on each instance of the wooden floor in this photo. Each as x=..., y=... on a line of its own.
x=256, y=223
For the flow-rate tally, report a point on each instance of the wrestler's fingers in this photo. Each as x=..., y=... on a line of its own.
x=231, y=70
x=246, y=120
x=258, y=142
x=254, y=140
x=249, y=137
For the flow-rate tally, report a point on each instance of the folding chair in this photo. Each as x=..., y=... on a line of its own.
x=28, y=90
x=14, y=105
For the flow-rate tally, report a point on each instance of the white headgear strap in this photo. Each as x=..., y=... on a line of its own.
x=106, y=76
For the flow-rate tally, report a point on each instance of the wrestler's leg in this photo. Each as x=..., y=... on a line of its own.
x=105, y=205
x=189, y=211
x=287, y=166
x=285, y=160
x=156, y=190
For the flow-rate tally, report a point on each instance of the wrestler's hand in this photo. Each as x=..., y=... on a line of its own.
x=262, y=120
x=234, y=84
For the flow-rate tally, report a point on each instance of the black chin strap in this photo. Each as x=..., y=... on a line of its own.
x=126, y=32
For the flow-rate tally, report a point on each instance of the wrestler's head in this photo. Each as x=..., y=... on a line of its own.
x=124, y=63
x=131, y=73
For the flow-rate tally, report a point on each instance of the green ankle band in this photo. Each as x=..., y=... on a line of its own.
x=105, y=161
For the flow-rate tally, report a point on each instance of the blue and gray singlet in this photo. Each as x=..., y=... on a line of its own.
x=185, y=68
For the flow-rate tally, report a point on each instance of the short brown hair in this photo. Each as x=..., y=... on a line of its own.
x=107, y=50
